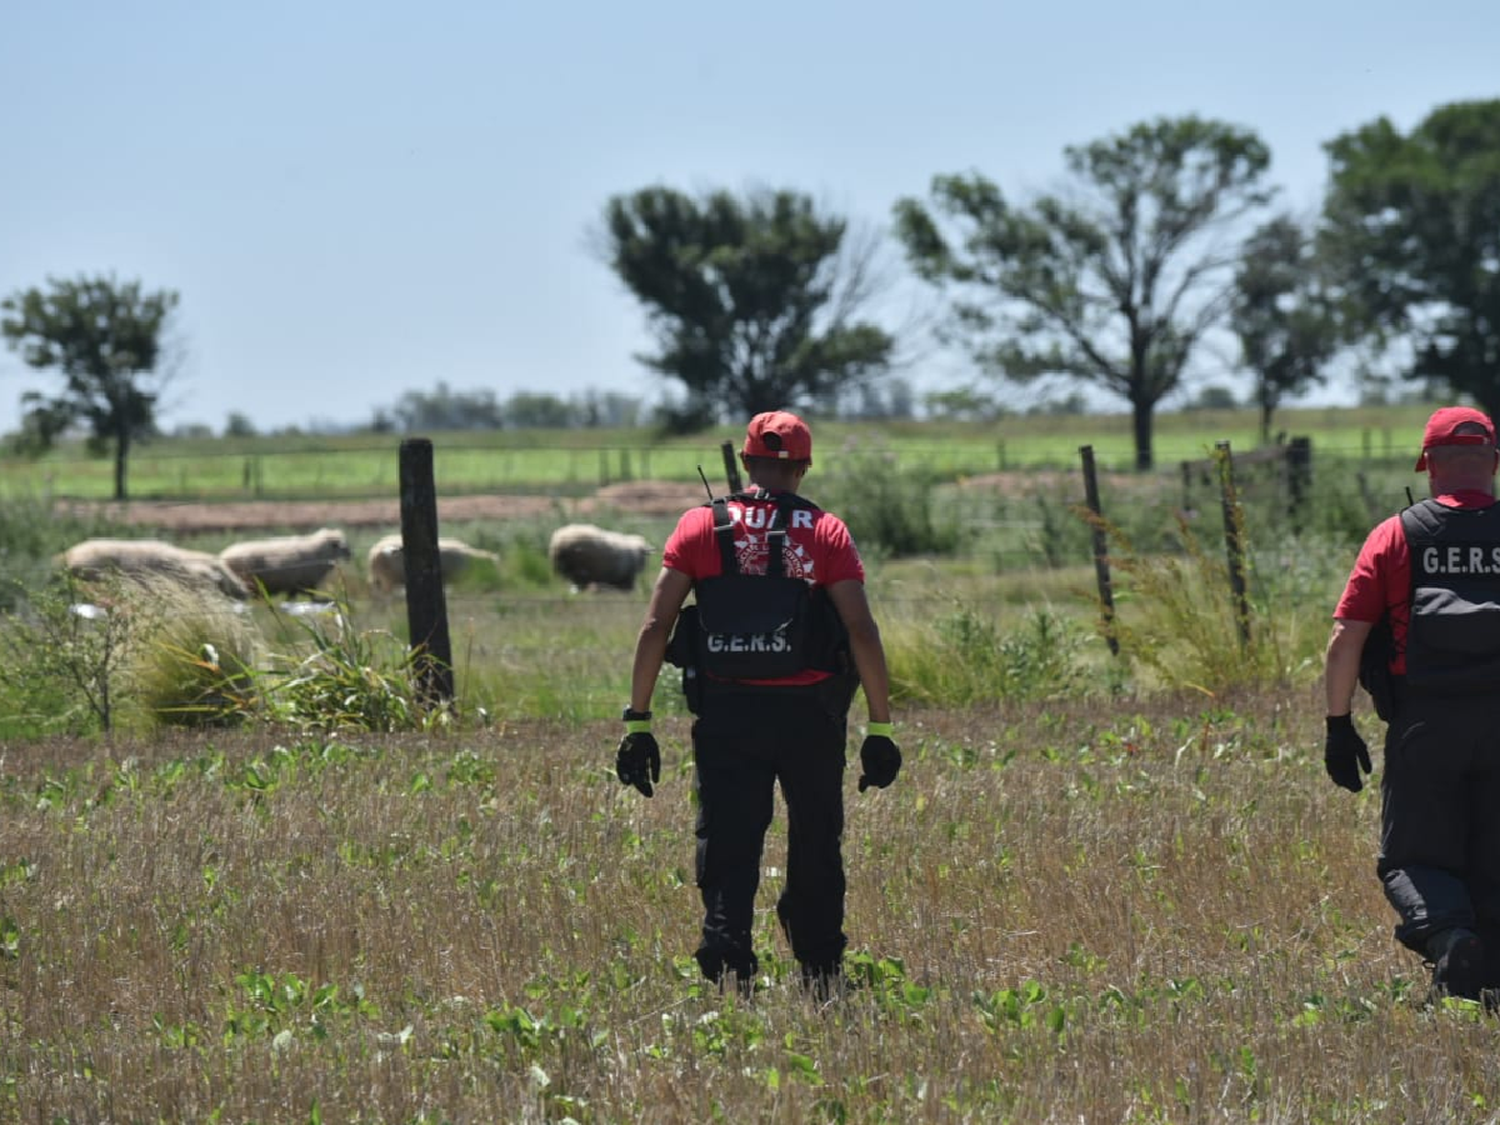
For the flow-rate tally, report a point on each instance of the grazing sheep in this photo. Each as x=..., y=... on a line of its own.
x=289, y=564
x=145, y=559
x=590, y=556
x=387, y=561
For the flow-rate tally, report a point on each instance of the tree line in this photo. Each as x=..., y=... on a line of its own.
x=1160, y=237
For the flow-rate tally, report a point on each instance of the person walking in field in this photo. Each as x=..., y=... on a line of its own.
x=778, y=636
x=1431, y=577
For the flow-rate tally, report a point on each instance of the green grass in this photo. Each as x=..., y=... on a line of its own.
x=568, y=462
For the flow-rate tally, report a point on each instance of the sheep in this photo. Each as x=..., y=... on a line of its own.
x=387, y=562
x=144, y=559
x=591, y=556
x=289, y=564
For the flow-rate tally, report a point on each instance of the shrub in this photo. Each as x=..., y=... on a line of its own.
x=891, y=511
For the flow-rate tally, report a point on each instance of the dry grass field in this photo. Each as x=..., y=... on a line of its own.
x=1161, y=912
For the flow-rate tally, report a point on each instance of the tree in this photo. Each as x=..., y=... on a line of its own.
x=104, y=338
x=964, y=404
x=1280, y=314
x=1114, y=282
x=1212, y=397
x=1412, y=225
x=444, y=409
x=238, y=425
x=753, y=301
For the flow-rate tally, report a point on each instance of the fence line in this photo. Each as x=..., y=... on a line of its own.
x=369, y=471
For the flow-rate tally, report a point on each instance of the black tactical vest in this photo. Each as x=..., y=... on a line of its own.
x=1453, y=637
x=761, y=626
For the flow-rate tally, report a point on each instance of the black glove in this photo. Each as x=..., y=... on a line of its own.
x=1345, y=753
x=638, y=761
x=881, y=759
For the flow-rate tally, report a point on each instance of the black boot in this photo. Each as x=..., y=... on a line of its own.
x=735, y=971
x=826, y=981
x=1458, y=963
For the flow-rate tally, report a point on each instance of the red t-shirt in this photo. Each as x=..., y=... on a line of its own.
x=1381, y=577
x=819, y=550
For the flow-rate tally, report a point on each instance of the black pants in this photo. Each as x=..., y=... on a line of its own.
x=1440, y=819
x=743, y=744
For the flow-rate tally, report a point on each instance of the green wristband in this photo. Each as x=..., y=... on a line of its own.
x=885, y=730
x=637, y=726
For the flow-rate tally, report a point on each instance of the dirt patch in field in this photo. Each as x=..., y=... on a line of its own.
x=649, y=498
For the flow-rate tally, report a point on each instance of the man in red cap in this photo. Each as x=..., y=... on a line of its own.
x=778, y=636
x=1419, y=626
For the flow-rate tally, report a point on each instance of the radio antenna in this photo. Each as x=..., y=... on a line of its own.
x=708, y=488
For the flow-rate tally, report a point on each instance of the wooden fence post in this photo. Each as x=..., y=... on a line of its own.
x=1234, y=548
x=1298, y=479
x=426, y=605
x=731, y=467
x=1101, y=558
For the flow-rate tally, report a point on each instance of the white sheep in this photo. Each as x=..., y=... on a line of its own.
x=147, y=559
x=590, y=556
x=288, y=564
x=387, y=561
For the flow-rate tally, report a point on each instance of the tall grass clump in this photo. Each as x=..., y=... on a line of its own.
x=199, y=666
x=1177, y=617
x=335, y=676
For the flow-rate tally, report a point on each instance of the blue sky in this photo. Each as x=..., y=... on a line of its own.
x=359, y=199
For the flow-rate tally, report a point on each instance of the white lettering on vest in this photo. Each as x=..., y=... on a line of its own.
x=802, y=518
x=748, y=642
x=1461, y=560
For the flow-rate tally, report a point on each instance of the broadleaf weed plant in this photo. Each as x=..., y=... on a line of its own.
x=963, y=657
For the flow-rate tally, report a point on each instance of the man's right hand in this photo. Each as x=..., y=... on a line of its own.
x=638, y=761
x=1345, y=753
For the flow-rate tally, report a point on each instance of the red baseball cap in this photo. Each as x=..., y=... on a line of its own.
x=1442, y=426
x=778, y=434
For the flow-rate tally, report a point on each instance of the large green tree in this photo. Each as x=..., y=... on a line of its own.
x=1412, y=225
x=1113, y=280
x=754, y=300
x=104, y=338
x=1280, y=313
